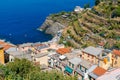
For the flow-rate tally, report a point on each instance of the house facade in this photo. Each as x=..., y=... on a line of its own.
x=2, y=57
x=3, y=47
x=72, y=65
x=98, y=56
x=116, y=58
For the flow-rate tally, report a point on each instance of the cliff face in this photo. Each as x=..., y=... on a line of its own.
x=51, y=27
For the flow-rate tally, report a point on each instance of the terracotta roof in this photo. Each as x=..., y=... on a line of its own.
x=99, y=71
x=1, y=42
x=116, y=52
x=63, y=50
x=5, y=45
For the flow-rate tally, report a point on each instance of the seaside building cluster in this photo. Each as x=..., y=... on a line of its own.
x=90, y=63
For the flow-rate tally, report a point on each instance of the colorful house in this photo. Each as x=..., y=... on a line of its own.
x=72, y=65
x=84, y=68
x=97, y=55
x=116, y=58
x=3, y=47
x=41, y=58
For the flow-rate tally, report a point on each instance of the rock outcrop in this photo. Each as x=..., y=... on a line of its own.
x=51, y=27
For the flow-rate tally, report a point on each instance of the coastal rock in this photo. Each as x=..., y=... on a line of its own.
x=51, y=27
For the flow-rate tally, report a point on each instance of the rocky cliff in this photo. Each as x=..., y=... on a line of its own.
x=51, y=27
x=56, y=22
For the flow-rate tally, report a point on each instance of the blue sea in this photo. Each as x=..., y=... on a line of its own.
x=19, y=19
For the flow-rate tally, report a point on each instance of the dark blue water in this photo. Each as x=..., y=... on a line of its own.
x=19, y=19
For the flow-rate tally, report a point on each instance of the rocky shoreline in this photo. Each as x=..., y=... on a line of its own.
x=58, y=21
x=51, y=27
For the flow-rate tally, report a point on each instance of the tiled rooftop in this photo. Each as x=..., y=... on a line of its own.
x=116, y=52
x=110, y=75
x=99, y=71
x=5, y=45
x=63, y=51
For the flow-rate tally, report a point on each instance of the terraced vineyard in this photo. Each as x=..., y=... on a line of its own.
x=92, y=28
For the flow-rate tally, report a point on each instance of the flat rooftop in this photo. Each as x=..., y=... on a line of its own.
x=93, y=50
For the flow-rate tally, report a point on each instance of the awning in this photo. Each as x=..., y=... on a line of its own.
x=68, y=69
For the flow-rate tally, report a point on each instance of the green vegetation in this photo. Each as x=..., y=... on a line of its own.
x=26, y=70
x=97, y=2
x=117, y=45
x=90, y=27
x=116, y=12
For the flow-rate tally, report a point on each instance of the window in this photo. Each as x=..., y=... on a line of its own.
x=80, y=67
x=92, y=57
x=88, y=55
x=85, y=70
x=69, y=64
x=72, y=65
x=115, y=62
x=80, y=55
x=104, y=54
x=83, y=53
x=11, y=60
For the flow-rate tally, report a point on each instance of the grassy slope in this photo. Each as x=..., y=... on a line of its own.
x=92, y=26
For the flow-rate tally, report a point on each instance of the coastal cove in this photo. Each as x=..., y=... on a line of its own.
x=20, y=19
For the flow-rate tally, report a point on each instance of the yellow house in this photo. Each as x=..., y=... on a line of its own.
x=98, y=56
x=2, y=58
x=3, y=47
x=116, y=58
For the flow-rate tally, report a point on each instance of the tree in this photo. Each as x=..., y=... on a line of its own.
x=22, y=69
x=97, y=2
x=116, y=12
x=117, y=45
